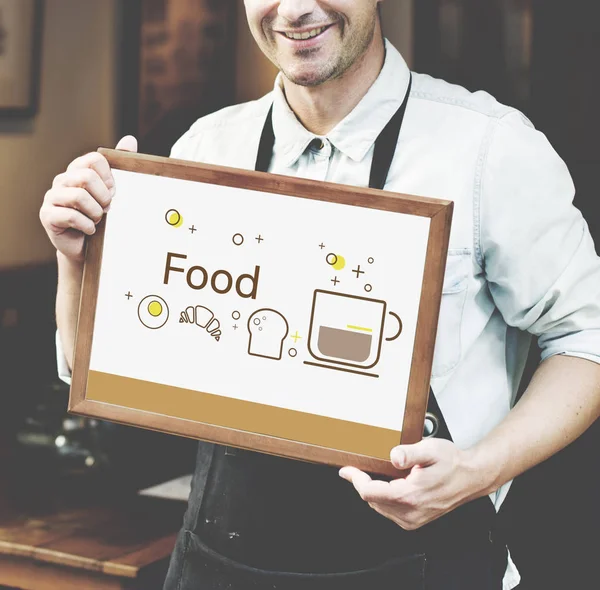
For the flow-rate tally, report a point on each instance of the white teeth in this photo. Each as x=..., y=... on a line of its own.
x=307, y=35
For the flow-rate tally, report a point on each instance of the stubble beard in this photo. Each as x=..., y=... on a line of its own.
x=349, y=56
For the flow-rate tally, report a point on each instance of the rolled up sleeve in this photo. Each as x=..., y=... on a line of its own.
x=534, y=245
x=64, y=373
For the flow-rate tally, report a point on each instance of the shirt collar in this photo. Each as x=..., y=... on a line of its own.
x=356, y=133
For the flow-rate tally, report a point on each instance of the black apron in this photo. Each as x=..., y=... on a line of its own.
x=283, y=515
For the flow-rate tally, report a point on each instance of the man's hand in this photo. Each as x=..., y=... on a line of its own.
x=72, y=208
x=77, y=201
x=441, y=478
x=560, y=403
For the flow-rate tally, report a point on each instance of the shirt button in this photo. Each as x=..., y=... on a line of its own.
x=317, y=144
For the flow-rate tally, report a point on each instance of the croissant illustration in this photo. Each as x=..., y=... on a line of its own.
x=203, y=318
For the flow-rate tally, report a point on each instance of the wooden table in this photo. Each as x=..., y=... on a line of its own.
x=97, y=547
x=70, y=535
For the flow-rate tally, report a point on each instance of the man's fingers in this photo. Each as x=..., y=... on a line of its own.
x=408, y=456
x=88, y=179
x=61, y=219
x=407, y=518
x=354, y=475
x=97, y=162
x=359, y=479
x=128, y=144
x=370, y=490
x=78, y=199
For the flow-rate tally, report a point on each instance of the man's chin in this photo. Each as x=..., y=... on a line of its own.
x=308, y=77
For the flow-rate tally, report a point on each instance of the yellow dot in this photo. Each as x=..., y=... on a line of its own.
x=155, y=308
x=174, y=218
x=340, y=262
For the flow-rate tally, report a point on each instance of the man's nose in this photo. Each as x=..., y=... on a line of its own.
x=294, y=10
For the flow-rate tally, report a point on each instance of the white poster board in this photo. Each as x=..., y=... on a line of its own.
x=271, y=300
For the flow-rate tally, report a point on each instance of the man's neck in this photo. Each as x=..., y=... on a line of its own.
x=322, y=107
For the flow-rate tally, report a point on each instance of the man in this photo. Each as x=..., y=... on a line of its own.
x=521, y=263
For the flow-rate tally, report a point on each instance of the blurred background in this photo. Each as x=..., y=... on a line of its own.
x=78, y=74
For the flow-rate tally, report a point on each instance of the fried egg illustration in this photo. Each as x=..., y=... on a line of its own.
x=153, y=312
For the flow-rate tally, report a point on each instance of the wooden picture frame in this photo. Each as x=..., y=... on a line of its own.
x=20, y=56
x=243, y=423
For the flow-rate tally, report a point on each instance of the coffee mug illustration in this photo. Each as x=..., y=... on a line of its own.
x=347, y=330
x=268, y=329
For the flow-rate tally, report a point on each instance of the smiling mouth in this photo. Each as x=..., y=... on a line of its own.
x=306, y=34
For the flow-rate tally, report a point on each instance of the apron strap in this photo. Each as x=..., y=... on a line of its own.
x=385, y=145
x=266, y=145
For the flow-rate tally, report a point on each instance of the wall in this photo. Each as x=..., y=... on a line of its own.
x=255, y=74
x=398, y=26
x=77, y=113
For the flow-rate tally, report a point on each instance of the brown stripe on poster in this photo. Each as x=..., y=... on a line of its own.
x=241, y=415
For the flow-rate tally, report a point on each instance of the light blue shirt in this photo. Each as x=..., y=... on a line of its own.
x=521, y=262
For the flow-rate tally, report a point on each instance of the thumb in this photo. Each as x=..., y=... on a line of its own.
x=408, y=456
x=128, y=144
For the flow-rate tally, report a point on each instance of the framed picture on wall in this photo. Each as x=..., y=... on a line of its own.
x=20, y=56
x=178, y=64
